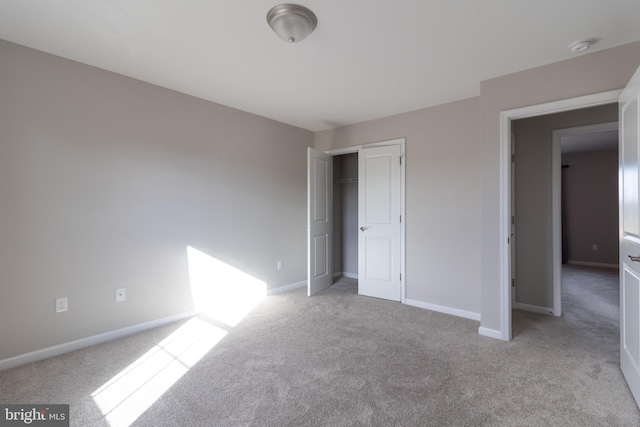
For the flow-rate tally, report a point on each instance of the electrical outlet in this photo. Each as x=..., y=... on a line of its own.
x=61, y=304
x=120, y=295
x=279, y=265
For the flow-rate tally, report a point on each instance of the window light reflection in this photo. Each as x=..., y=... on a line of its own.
x=220, y=292
x=130, y=393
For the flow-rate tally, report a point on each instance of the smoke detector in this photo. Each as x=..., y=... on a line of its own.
x=580, y=45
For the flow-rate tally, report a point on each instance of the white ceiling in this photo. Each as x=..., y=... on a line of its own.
x=366, y=59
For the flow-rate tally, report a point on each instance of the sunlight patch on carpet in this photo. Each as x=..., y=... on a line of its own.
x=220, y=292
x=131, y=392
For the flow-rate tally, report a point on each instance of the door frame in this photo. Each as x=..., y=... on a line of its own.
x=403, y=156
x=556, y=202
x=506, y=117
x=512, y=213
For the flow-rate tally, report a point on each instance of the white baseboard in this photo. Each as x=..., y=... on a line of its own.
x=491, y=333
x=533, y=308
x=59, y=349
x=287, y=288
x=345, y=274
x=443, y=309
x=593, y=264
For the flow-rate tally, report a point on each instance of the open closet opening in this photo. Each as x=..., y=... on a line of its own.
x=355, y=229
x=345, y=216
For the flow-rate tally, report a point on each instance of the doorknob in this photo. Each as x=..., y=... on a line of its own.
x=634, y=258
x=364, y=228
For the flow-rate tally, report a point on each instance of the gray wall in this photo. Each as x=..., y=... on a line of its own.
x=443, y=197
x=591, y=194
x=104, y=182
x=583, y=75
x=533, y=189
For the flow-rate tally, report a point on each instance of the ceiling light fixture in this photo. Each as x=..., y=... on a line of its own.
x=292, y=22
x=580, y=45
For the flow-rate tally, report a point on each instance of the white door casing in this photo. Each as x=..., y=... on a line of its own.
x=512, y=237
x=503, y=332
x=379, y=221
x=319, y=220
x=629, y=193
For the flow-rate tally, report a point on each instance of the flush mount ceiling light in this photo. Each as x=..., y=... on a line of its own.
x=292, y=22
x=580, y=45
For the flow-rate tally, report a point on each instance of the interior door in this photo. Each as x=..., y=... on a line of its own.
x=319, y=220
x=630, y=235
x=379, y=209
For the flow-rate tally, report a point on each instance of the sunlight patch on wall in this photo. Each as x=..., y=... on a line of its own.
x=221, y=291
x=130, y=393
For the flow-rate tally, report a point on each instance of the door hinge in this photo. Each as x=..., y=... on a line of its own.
x=513, y=158
x=401, y=277
x=400, y=218
x=513, y=283
x=513, y=220
x=400, y=158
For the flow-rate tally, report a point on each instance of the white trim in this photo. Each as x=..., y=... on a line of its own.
x=505, y=179
x=385, y=143
x=287, y=288
x=533, y=308
x=345, y=274
x=556, y=202
x=505, y=226
x=556, y=219
x=356, y=148
x=443, y=309
x=403, y=215
x=491, y=333
x=569, y=104
x=59, y=349
x=341, y=151
x=593, y=264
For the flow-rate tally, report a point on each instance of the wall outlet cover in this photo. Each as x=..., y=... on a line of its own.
x=61, y=304
x=120, y=295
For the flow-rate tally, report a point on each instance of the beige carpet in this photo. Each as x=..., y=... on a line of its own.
x=338, y=359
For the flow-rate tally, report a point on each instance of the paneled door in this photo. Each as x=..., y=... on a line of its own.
x=319, y=220
x=379, y=222
x=629, y=120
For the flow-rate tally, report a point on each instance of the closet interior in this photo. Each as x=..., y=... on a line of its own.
x=345, y=216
